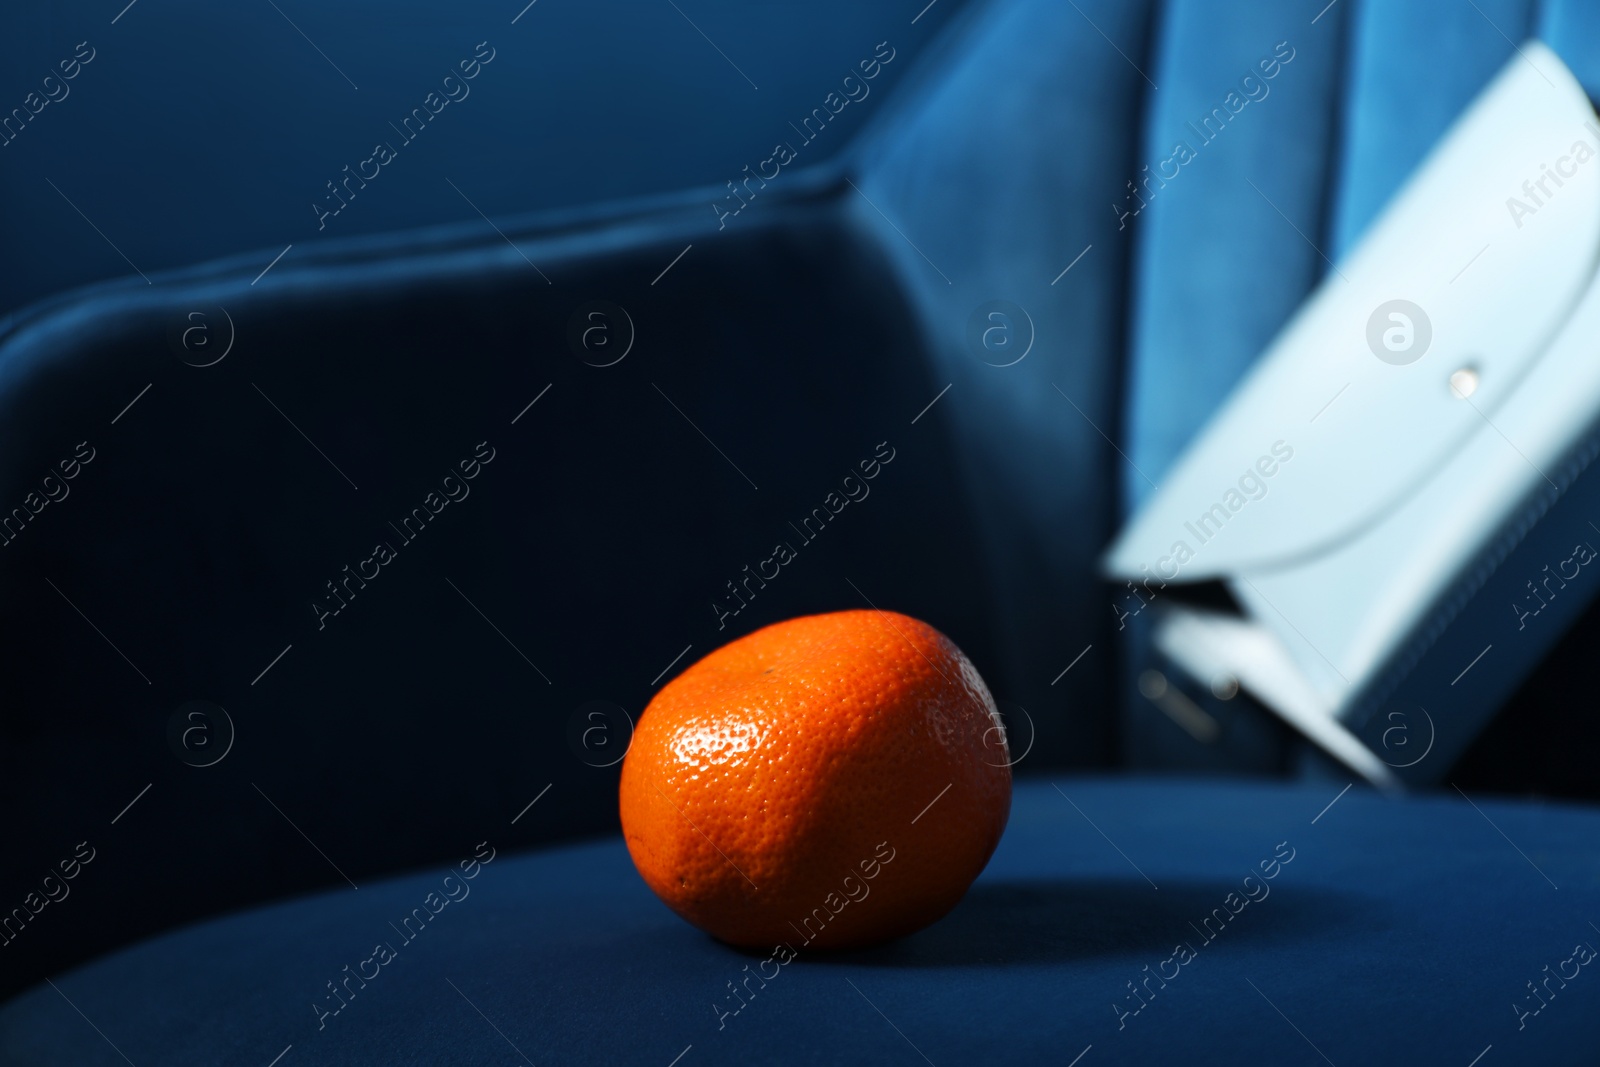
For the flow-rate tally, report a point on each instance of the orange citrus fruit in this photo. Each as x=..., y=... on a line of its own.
x=827, y=782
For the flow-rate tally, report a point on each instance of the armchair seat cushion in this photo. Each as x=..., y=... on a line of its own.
x=1146, y=919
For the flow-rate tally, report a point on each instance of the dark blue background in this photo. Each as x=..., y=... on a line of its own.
x=204, y=129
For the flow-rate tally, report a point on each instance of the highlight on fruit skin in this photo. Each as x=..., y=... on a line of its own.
x=828, y=782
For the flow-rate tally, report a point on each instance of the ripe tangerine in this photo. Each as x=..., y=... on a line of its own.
x=831, y=781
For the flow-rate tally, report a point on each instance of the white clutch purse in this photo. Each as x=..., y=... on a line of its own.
x=1394, y=495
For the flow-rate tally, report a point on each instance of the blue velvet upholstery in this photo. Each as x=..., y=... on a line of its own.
x=992, y=181
x=1394, y=933
x=1219, y=266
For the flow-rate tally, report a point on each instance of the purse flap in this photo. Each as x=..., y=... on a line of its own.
x=1472, y=268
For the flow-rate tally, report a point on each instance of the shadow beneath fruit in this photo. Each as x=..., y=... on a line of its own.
x=1056, y=921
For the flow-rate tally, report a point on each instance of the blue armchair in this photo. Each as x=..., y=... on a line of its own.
x=448, y=486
